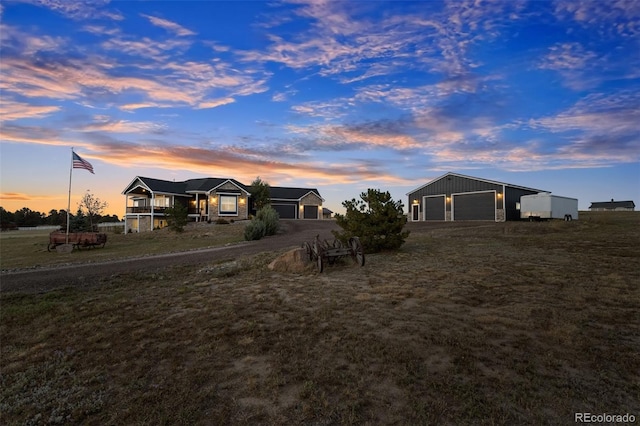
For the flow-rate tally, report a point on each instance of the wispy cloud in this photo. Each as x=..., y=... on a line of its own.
x=80, y=9
x=104, y=123
x=169, y=25
x=611, y=18
x=11, y=110
x=19, y=196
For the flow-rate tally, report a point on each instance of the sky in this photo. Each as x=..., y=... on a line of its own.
x=334, y=95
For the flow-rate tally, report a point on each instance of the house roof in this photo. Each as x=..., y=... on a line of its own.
x=204, y=185
x=474, y=178
x=287, y=193
x=156, y=185
x=181, y=188
x=612, y=204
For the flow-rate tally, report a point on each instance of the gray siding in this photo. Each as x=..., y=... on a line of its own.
x=511, y=197
x=504, y=196
x=453, y=184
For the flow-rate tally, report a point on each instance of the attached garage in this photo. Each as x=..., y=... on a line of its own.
x=458, y=197
x=474, y=206
x=296, y=203
x=310, y=212
x=285, y=211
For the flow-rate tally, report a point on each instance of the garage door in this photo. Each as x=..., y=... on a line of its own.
x=477, y=206
x=434, y=208
x=286, y=211
x=310, y=212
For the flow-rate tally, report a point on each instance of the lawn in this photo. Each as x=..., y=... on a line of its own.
x=499, y=323
x=28, y=249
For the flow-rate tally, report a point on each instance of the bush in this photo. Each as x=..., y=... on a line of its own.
x=270, y=218
x=266, y=222
x=254, y=230
x=376, y=219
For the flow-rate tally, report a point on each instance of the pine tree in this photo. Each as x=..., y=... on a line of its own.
x=376, y=219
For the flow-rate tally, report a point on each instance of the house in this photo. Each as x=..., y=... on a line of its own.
x=206, y=199
x=454, y=196
x=296, y=203
x=599, y=206
x=326, y=213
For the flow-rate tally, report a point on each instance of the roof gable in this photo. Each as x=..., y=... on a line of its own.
x=448, y=174
x=612, y=204
x=287, y=193
x=156, y=186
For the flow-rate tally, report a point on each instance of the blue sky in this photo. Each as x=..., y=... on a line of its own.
x=340, y=96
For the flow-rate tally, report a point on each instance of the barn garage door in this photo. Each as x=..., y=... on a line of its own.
x=477, y=206
x=286, y=211
x=434, y=208
x=310, y=212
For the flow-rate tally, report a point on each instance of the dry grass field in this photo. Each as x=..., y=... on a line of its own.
x=493, y=323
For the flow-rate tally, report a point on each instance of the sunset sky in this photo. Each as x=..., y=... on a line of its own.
x=340, y=96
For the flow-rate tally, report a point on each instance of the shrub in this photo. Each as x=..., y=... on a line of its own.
x=266, y=222
x=376, y=219
x=177, y=217
x=270, y=218
x=254, y=230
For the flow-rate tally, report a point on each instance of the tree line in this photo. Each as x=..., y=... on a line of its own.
x=86, y=218
x=27, y=217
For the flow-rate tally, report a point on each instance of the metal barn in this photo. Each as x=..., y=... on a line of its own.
x=458, y=197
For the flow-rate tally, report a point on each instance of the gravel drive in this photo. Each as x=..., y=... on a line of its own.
x=293, y=234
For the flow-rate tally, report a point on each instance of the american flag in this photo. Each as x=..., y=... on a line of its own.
x=80, y=163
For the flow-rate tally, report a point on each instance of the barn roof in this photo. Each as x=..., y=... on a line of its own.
x=612, y=204
x=474, y=178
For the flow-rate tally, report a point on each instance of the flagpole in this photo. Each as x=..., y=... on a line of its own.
x=69, y=199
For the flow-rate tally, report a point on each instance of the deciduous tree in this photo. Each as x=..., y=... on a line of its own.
x=92, y=207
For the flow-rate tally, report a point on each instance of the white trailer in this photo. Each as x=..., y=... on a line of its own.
x=547, y=206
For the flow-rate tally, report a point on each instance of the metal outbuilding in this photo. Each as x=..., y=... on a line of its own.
x=454, y=197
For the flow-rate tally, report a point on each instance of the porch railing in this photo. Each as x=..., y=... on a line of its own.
x=160, y=210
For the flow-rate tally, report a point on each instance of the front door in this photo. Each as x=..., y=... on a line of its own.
x=203, y=208
x=415, y=212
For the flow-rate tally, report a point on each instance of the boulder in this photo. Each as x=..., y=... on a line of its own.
x=295, y=260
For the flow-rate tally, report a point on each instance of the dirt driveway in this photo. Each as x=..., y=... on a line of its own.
x=292, y=234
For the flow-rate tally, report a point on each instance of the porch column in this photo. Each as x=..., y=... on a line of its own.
x=126, y=206
x=153, y=206
x=198, y=207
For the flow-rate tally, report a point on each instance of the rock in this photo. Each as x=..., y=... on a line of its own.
x=295, y=260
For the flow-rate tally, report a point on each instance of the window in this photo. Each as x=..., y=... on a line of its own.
x=162, y=201
x=228, y=204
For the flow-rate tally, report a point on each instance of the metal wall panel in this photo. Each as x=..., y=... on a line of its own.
x=434, y=207
x=512, y=197
x=451, y=185
x=474, y=206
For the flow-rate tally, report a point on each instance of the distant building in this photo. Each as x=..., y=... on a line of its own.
x=610, y=206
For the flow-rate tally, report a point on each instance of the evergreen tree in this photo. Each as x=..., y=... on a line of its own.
x=376, y=219
x=177, y=217
x=260, y=193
